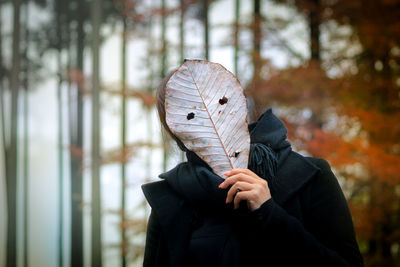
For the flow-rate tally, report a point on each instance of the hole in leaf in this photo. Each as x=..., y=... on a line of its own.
x=223, y=100
x=190, y=116
x=236, y=154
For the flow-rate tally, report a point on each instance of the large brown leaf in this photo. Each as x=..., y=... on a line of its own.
x=206, y=109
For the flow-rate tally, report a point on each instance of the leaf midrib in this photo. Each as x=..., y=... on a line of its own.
x=209, y=115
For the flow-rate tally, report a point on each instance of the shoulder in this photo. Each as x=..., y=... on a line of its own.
x=155, y=189
x=171, y=216
x=325, y=184
x=160, y=195
x=312, y=178
x=158, y=186
x=325, y=174
x=322, y=164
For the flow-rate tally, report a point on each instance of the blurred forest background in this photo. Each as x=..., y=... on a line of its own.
x=79, y=132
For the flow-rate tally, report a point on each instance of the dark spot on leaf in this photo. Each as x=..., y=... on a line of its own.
x=219, y=111
x=235, y=154
x=223, y=100
x=190, y=116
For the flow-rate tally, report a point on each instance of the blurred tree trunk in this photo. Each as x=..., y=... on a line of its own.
x=163, y=74
x=151, y=47
x=124, y=243
x=257, y=37
x=77, y=149
x=314, y=21
x=26, y=143
x=70, y=110
x=255, y=83
x=70, y=114
x=182, y=30
x=96, y=162
x=150, y=88
x=2, y=108
x=2, y=89
x=11, y=148
x=236, y=38
x=206, y=29
x=163, y=40
x=2, y=84
x=59, y=7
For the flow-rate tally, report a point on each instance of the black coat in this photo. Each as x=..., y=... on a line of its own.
x=307, y=223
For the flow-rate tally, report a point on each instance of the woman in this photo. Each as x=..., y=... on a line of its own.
x=285, y=210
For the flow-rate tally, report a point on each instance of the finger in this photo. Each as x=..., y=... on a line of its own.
x=238, y=170
x=242, y=195
x=235, y=178
x=239, y=186
x=241, y=170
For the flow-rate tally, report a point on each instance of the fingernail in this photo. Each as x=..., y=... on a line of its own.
x=220, y=186
x=226, y=174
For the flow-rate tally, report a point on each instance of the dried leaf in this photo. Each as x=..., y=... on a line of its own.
x=206, y=109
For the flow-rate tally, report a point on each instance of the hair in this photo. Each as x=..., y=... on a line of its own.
x=160, y=98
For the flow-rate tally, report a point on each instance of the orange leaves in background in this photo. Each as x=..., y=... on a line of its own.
x=375, y=145
x=383, y=165
x=352, y=119
x=380, y=163
x=382, y=127
x=333, y=148
x=291, y=86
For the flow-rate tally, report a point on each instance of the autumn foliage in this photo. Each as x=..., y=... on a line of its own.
x=352, y=119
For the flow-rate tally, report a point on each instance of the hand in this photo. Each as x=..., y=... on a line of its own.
x=247, y=186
